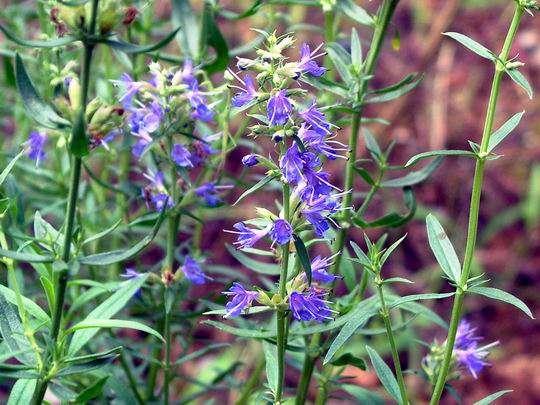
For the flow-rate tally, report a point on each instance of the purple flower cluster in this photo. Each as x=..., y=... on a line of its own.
x=193, y=271
x=310, y=306
x=36, y=146
x=466, y=350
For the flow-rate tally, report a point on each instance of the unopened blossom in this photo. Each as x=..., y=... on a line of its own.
x=279, y=108
x=250, y=160
x=193, y=272
x=309, y=306
x=281, y=232
x=36, y=146
x=155, y=193
x=210, y=193
x=200, y=151
x=247, y=237
x=239, y=299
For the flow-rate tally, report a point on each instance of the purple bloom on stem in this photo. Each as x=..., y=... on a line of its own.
x=193, y=272
x=209, y=192
x=279, y=108
x=320, y=143
x=201, y=150
x=202, y=113
x=292, y=165
x=241, y=299
x=246, y=95
x=131, y=88
x=250, y=160
x=466, y=350
x=318, y=212
x=316, y=119
x=186, y=75
x=130, y=273
x=247, y=237
x=307, y=64
x=319, y=270
x=155, y=193
x=36, y=144
x=281, y=232
x=180, y=155
x=310, y=306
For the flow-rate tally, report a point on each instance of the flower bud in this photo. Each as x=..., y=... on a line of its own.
x=74, y=93
x=129, y=15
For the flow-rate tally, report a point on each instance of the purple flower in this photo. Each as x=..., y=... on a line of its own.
x=281, y=232
x=245, y=95
x=292, y=164
x=131, y=88
x=279, y=108
x=202, y=113
x=193, y=272
x=185, y=75
x=466, y=350
x=209, y=192
x=318, y=212
x=319, y=270
x=319, y=143
x=200, y=151
x=247, y=237
x=143, y=122
x=180, y=155
x=307, y=64
x=155, y=193
x=241, y=299
x=250, y=160
x=130, y=273
x=316, y=119
x=200, y=110
x=310, y=306
x=36, y=143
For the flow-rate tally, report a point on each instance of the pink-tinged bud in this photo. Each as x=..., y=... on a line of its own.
x=130, y=15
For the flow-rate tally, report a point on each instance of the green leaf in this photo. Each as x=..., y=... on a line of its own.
x=29, y=306
x=106, y=310
x=117, y=256
x=201, y=352
x=87, y=367
x=371, y=145
x=247, y=333
x=417, y=297
x=16, y=372
x=395, y=91
x=499, y=135
x=78, y=141
x=521, y=81
x=255, y=265
x=103, y=233
x=490, y=398
x=211, y=36
x=257, y=186
x=356, y=51
x=9, y=166
x=349, y=359
x=397, y=280
x=355, y=12
x=248, y=12
x=362, y=395
x=35, y=106
x=189, y=34
x=347, y=270
x=442, y=249
x=341, y=60
x=388, y=251
x=12, y=332
x=365, y=175
x=433, y=153
x=500, y=295
x=472, y=45
x=93, y=391
x=386, y=377
x=114, y=323
x=134, y=49
x=22, y=392
x=303, y=256
x=26, y=257
x=52, y=43
x=393, y=219
x=360, y=255
x=93, y=356
x=270, y=354
x=415, y=177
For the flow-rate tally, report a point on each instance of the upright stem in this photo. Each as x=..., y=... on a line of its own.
x=385, y=314
x=383, y=20
x=475, y=206
x=281, y=316
x=61, y=286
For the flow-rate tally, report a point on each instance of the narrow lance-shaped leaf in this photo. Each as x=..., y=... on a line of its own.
x=26, y=257
x=252, y=264
x=35, y=106
x=435, y=153
x=270, y=354
x=22, y=392
x=9, y=166
x=303, y=255
x=128, y=48
x=415, y=177
x=391, y=94
x=189, y=34
x=355, y=12
x=106, y=310
x=500, y=295
x=470, y=43
x=442, y=249
x=491, y=398
x=257, y=186
x=114, y=323
x=356, y=51
x=29, y=43
x=521, y=81
x=211, y=36
x=499, y=135
x=386, y=377
x=12, y=332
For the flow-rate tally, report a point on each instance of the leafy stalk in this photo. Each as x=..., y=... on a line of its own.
x=382, y=22
x=475, y=204
x=61, y=285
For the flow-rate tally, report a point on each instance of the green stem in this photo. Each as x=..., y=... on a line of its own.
x=61, y=286
x=475, y=206
x=281, y=316
x=383, y=20
x=131, y=379
x=385, y=314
